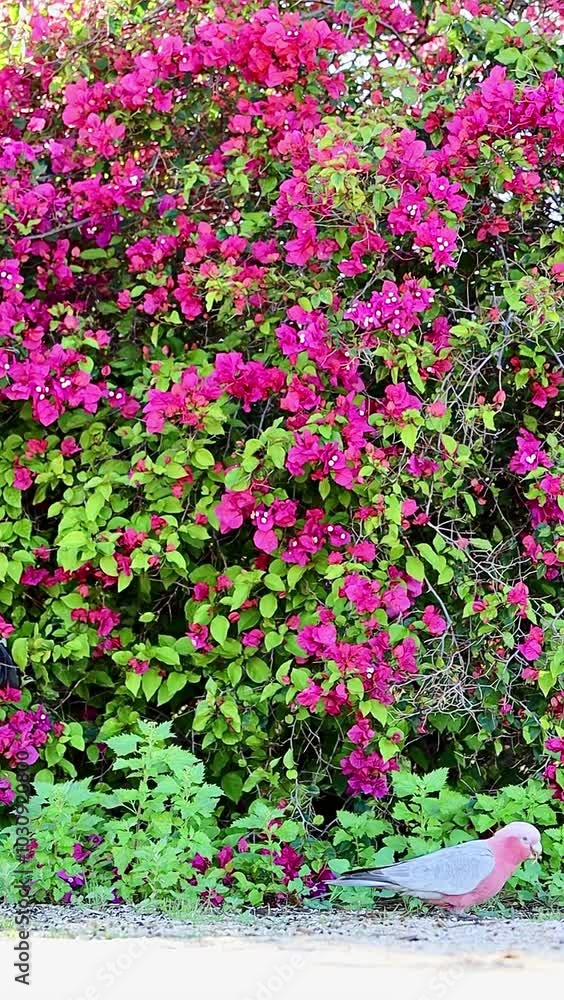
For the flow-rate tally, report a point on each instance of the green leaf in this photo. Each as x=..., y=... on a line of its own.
x=545, y=681
x=437, y=561
x=277, y=455
x=355, y=687
x=408, y=435
x=108, y=565
x=488, y=416
x=73, y=539
x=93, y=253
x=415, y=568
x=172, y=685
x=203, y=459
x=387, y=748
x=124, y=744
x=166, y=654
x=508, y=56
x=75, y=736
x=268, y=605
x=184, y=645
x=202, y=715
x=405, y=784
x=289, y=831
x=19, y=652
x=133, y=682
x=449, y=443
x=299, y=677
x=295, y=574
x=434, y=781
x=150, y=683
x=241, y=592
x=272, y=639
x=376, y=710
x=274, y=582
x=258, y=670
x=232, y=784
x=219, y=629
x=324, y=489
x=446, y=575
x=175, y=558
x=234, y=673
x=93, y=507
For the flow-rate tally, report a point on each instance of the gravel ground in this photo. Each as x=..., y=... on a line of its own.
x=433, y=935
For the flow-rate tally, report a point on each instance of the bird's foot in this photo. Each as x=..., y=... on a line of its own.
x=458, y=916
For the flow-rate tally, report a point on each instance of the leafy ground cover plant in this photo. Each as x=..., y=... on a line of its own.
x=157, y=836
x=282, y=457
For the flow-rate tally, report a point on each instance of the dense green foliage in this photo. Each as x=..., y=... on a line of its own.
x=161, y=812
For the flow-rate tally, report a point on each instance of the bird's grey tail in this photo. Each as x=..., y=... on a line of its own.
x=366, y=878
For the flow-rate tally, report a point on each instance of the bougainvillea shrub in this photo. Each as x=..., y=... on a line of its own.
x=282, y=456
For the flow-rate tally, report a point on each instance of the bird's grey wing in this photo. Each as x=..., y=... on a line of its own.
x=450, y=871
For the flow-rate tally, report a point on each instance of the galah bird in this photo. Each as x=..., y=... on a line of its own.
x=458, y=877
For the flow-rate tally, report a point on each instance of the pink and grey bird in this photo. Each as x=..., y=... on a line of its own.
x=458, y=877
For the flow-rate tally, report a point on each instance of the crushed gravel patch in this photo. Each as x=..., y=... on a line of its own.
x=431, y=935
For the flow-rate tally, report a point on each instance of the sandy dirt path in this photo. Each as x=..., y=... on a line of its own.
x=96, y=955
x=231, y=969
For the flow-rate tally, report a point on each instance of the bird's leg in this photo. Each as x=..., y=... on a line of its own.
x=467, y=918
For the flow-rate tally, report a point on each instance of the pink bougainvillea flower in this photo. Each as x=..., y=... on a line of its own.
x=79, y=853
x=265, y=538
x=75, y=881
x=519, y=596
x=396, y=601
x=7, y=793
x=363, y=593
x=363, y=552
x=531, y=647
x=201, y=591
x=138, y=666
x=199, y=634
x=398, y=401
x=366, y=772
x=69, y=447
x=437, y=408
x=233, y=509
x=253, y=638
x=23, y=734
x=225, y=855
x=361, y=733
x=6, y=628
x=434, y=621
x=10, y=694
x=310, y=696
x=200, y=864
x=529, y=454
x=23, y=477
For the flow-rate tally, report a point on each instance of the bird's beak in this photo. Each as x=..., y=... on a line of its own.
x=536, y=851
